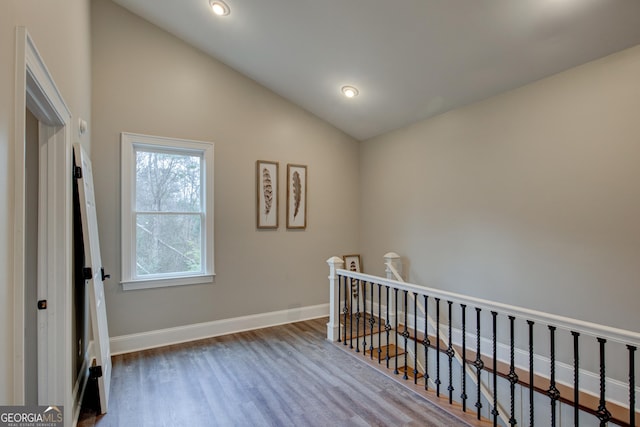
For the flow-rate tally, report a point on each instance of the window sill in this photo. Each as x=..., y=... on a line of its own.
x=132, y=285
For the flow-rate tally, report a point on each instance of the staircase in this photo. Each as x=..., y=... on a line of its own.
x=490, y=373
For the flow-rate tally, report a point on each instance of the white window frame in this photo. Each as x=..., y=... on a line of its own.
x=129, y=143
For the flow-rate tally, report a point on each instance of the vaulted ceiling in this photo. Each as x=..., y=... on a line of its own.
x=409, y=59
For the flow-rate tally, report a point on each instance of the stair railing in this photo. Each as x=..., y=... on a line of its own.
x=589, y=382
x=393, y=268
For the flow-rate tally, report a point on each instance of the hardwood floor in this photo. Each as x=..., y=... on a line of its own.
x=287, y=375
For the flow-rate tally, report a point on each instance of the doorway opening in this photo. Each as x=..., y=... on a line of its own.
x=32, y=178
x=42, y=267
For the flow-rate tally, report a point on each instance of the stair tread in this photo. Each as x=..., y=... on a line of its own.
x=420, y=337
x=409, y=371
x=361, y=328
x=386, y=349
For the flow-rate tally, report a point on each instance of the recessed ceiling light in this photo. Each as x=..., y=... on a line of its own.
x=349, y=91
x=219, y=7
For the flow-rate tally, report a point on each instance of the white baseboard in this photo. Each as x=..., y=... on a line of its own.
x=162, y=337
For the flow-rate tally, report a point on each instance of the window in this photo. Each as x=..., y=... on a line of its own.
x=167, y=212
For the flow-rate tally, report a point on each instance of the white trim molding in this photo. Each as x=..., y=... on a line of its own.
x=561, y=322
x=163, y=337
x=131, y=144
x=35, y=89
x=133, y=285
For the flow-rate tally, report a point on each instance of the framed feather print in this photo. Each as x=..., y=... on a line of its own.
x=266, y=194
x=352, y=263
x=296, y=197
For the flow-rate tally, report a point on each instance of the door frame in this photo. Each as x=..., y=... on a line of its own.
x=36, y=91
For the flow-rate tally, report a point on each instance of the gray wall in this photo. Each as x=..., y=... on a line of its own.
x=147, y=81
x=60, y=30
x=530, y=198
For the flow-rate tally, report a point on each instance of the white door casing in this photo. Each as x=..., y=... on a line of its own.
x=95, y=284
x=35, y=90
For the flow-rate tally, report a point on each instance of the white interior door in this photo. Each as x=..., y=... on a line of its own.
x=95, y=282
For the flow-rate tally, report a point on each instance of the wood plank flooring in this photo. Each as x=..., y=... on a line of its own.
x=287, y=375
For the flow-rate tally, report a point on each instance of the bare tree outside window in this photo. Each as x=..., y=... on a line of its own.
x=167, y=203
x=168, y=212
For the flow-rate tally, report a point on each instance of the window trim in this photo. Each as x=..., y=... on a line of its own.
x=129, y=142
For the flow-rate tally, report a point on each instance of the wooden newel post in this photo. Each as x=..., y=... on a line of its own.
x=392, y=262
x=335, y=263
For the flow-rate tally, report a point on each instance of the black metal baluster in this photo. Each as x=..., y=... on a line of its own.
x=553, y=392
x=426, y=343
x=415, y=337
x=463, y=396
x=387, y=326
x=632, y=386
x=494, y=411
x=479, y=364
x=339, y=295
x=351, y=282
x=438, y=347
x=576, y=385
x=358, y=315
x=364, y=319
x=450, y=353
x=372, y=323
x=405, y=335
x=395, y=371
x=531, y=375
x=363, y=286
x=345, y=309
x=513, y=377
x=379, y=320
x=602, y=413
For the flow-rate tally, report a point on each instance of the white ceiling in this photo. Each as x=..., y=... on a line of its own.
x=410, y=59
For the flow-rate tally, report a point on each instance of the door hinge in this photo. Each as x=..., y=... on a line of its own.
x=42, y=304
x=95, y=371
x=77, y=172
x=87, y=273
